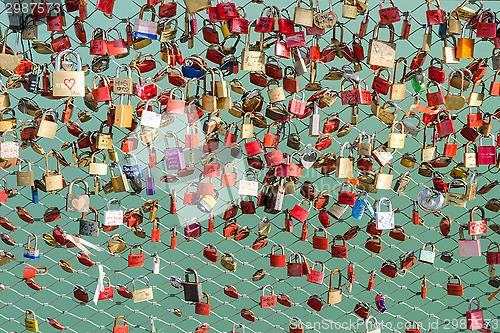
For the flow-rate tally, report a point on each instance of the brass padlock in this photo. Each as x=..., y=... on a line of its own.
x=228, y=261
x=104, y=140
x=119, y=183
x=345, y=165
x=53, y=179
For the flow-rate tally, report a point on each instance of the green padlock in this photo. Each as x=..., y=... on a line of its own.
x=418, y=81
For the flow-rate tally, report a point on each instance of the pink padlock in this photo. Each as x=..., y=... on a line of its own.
x=486, y=155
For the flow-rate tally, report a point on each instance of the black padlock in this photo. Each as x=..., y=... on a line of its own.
x=192, y=289
x=447, y=256
x=494, y=282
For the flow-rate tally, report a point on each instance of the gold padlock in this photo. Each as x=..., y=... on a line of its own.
x=228, y=261
x=335, y=294
x=344, y=165
x=30, y=324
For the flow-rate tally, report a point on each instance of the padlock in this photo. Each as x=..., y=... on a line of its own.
x=54, y=181
x=320, y=242
x=119, y=182
x=345, y=165
x=427, y=256
x=465, y=46
x=113, y=217
x=339, y=251
x=25, y=178
x=468, y=247
x=295, y=269
x=88, y=227
x=384, y=220
x=30, y=324
x=486, y=155
x=77, y=203
x=316, y=276
x=383, y=181
x=299, y=213
x=123, y=328
x=486, y=29
x=68, y=83
x=381, y=53
x=46, y=127
x=470, y=159
x=136, y=259
x=475, y=319
x=477, y=227
x=141, y=295
x=32, y=252
x=268, y=301
x=295, y=325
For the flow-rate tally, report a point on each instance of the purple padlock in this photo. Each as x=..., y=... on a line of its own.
x=150, y=183
x=487, y=155
x=174, y=157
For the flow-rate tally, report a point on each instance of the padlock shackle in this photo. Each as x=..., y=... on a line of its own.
x=64, y=52
x=78, y=180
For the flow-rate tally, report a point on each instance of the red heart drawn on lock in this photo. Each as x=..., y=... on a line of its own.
x=69, y=83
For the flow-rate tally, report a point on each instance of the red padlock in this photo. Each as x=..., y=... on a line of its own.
x=412, y=327
x=346, y=197
x=475, y=319
x=339, y=251
x=136, y=259
x=374, y=244
x=454, y=289
x=381, y=84
x=315, y=301
x=98, y=46
x=239, y=24
x=320, y=242
x=445, y=125
x=389, y=268
x=486, y=26
x=203, y=308
x=436, y=73
x=277, y=260
x=210, y=252
x=493, y=258
x=299, y=213
x=265, y=24
x=305, y=227
x=390, y=14
x=478, y=227
x=295, y=268
x=435, y=16
x=450, y=149
x=267, y=301
x=486, y=155
x=285, y=24
x=155, y=233
x=231, y=291
x=423, y=287
x=362, y=309
x=123, y=328
x=107, y=292
x=168, y=9
x=173, y=238
x=316, y=276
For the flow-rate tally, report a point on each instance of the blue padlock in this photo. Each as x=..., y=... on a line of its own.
x=134, y=170
x=443, y=30
x=360, y=206
x=191, y=71
x=34, y=194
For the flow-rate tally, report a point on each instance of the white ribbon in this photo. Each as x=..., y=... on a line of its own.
x=80, y=242
x=100, y=283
